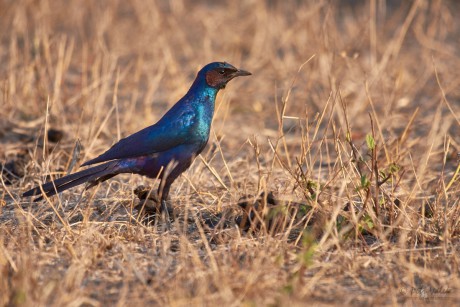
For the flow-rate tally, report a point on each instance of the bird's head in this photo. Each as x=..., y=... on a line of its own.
x=218, y=74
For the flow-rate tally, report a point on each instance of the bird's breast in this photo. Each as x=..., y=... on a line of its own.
x=203, y=123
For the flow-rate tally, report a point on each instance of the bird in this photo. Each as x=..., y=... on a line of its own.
x=163, y=150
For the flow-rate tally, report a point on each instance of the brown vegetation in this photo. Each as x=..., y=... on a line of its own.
x=331, y=175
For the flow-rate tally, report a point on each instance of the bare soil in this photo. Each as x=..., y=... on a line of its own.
x=331, y=176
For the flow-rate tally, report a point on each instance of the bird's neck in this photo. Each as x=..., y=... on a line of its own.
x=202, y=92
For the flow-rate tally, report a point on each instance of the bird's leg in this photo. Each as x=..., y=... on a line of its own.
x=163, y=193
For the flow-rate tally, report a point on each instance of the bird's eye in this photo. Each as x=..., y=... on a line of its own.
x=222, y=72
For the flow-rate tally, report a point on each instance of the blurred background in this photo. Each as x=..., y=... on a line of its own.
x=97, y=71
x=105, y=69
x=341, y=91
x=73, y=53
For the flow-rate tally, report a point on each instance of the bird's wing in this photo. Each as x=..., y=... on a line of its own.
x=160, y=137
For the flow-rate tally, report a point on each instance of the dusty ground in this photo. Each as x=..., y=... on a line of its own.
x=348, y=130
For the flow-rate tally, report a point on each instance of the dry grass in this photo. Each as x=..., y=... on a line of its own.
x=353, y=111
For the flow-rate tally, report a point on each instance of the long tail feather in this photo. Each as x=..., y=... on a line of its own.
x=103, y=171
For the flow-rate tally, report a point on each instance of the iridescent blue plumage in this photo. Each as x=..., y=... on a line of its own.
x=165, y=149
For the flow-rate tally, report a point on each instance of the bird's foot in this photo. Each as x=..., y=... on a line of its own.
x=150, y=205
x=165, y=214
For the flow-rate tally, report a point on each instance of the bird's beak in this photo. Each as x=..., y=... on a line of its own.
x=241, y=72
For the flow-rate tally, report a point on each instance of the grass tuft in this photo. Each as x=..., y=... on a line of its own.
x=331, y=175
